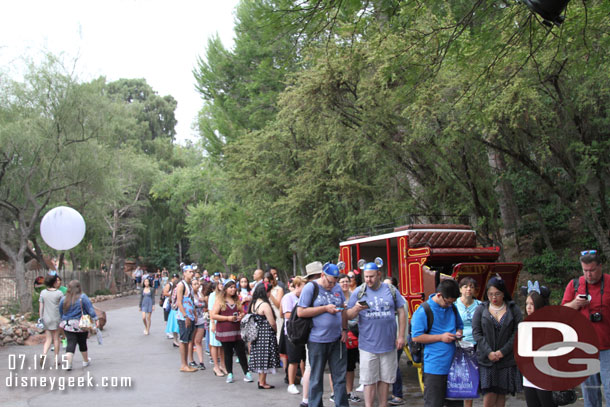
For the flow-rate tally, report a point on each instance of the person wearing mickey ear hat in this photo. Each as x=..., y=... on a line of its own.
x=327, y=337
x=376, y=305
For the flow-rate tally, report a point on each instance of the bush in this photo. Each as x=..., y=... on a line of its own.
x=557, y=268
x=103, y=291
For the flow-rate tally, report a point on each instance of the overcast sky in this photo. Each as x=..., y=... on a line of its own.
x=158, y=40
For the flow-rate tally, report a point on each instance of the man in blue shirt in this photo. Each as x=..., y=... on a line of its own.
x=327, y=338
x=377, y=339
x=440, y=340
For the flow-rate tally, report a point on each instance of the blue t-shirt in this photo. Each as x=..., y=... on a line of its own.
x=377, y=324
x=438, y=355
x=466, y=313
x=326, y=327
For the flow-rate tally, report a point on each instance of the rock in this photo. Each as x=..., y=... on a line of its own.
x=3, y=320
x=35, y=340
x=19, y=341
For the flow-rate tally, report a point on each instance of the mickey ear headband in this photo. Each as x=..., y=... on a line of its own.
x=535, y=287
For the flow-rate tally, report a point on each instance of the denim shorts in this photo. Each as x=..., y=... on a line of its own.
x=186, y=334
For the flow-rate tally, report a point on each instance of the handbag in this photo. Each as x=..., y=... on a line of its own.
x=463, y=378
x=85, y=323
x=564, y=397
x=248, y=328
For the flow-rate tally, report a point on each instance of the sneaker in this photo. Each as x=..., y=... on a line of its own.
x=230, y=378
x=360, y=388
x=69, y=367
x=303, y=404
x=193, y=364
x=396, y=401
x=169, y=336
x=64, y=343
x=332, y=398
x=248, y=378
x=201, y=366
x=87, y=363
x=353, y=398
x=292, y=389
x=207, y=352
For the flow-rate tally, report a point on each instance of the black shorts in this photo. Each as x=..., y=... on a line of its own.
x=296, y=353
x=353, y=357
x=186, y=334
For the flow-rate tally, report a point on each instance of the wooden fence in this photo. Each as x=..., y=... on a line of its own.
x=91, y=281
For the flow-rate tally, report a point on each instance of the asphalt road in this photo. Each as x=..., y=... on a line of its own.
x=150, y=364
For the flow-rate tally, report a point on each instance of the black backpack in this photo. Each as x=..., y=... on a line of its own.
x=417, y=349
x=298, y=328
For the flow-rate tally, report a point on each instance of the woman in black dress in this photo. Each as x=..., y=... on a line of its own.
x=264, y=351
x=494, y=325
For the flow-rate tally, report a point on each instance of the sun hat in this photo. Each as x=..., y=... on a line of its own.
x=313, y=268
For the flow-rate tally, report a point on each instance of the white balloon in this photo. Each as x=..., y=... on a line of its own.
x=62, y=228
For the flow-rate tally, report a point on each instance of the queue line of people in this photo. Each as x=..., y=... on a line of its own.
x=490, y=325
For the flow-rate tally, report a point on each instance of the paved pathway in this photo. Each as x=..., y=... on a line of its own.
x=151, y=363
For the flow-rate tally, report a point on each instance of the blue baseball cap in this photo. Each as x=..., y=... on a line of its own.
x=331, y=270
x=187, y=268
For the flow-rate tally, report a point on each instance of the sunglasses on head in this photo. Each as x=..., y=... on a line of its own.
x=585, y=252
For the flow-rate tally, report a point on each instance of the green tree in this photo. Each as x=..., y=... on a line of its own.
x=50, y=128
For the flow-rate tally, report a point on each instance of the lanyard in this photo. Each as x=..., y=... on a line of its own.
x=601, y=301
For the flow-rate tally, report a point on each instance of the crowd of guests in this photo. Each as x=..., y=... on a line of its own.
x=357, y=319
x=491, y=326
x=360, y=319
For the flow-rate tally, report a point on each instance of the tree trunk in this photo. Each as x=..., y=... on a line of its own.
x=24, y=294
x=506, y=202
x=217, y=253
x=75, y=264
x=39, y=255
x=543, y=230
x=61, y=265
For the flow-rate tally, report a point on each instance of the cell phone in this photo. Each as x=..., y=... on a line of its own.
x=583, y=296
x=340, y=308
x=364, y=303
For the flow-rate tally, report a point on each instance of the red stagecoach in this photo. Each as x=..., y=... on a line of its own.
x=419, y=256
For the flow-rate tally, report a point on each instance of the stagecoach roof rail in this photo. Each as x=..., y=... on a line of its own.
x=412, y=219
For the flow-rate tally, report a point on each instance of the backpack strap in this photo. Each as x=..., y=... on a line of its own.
x=429, y=316
x=362, y=291
x=576, y=283
x=393, y=291
x=316, y=291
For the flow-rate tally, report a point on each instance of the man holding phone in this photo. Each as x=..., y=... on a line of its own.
x=447, y=327
x=376, y=308
x=590, y=294
x=327, y=337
